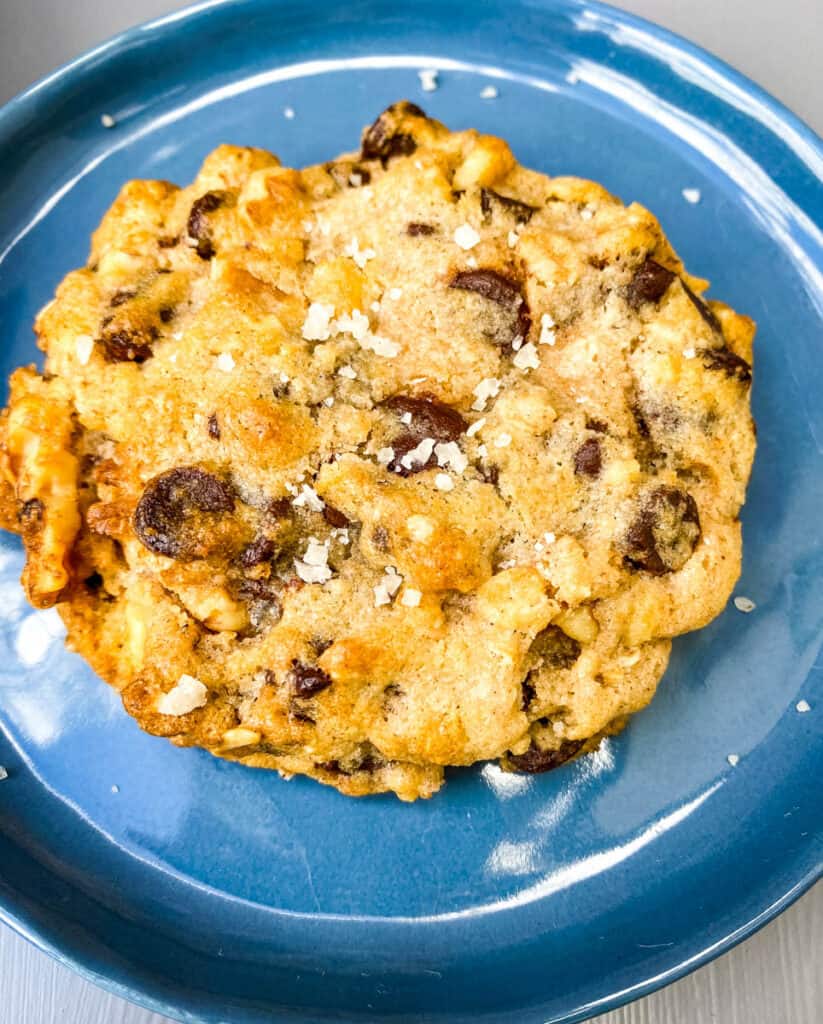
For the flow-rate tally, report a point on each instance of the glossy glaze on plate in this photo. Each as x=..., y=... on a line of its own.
x=215, y=893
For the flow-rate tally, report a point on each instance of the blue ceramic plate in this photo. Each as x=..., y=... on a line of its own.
x=216, y=893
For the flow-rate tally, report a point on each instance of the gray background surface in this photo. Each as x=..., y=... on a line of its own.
x=777, y=976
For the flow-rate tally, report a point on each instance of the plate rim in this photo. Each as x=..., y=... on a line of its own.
x=123, y=983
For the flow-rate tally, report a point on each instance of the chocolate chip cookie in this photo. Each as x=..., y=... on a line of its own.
x=410, y=459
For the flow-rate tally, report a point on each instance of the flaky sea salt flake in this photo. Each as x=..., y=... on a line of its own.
x=527, y=358
x=744, y=604
x=360, y=256
x=428, y=79
x=448, y=454
x=317, y=325
x=489, y=92
x=83, y=348
x=466, y=237
x=186, y=695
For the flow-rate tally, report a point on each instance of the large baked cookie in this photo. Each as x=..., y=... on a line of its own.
x=411, y=459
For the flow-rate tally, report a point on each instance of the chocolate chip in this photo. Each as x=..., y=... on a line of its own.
x=334, y=517
x=490, y=474
x=703, y=309
x=552, y=648
x=588, y=460
x=319, y=644
x=166, y=314
x=430, y=417
x=260, y=550
x=723, y=360
x=383, y=140
x=122, y=295
x=664, y=533
x=279, y=508
x=127, y=346
x=198, y=223
x=214, y=427
x=529, y=692
x=415, y=228
x=307, y=680
x=497, y=288
x=649, y=284
x=521, y=211
x=598, y=426
x=93, y=582
x=168, y=517
x=535, y=760
x=332, y=767
x=168, y=241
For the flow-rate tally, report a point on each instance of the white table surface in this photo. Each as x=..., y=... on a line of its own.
x=777, y=976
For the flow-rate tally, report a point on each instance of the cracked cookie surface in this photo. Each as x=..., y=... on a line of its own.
x=411, y=459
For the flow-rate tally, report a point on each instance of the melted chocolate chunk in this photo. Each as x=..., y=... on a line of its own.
x=380, y=538
x=168, y=241
x=169, y=516
x=166, y=314
x=554, y=649
x=598, y=426
x=334, y=517
x=521, y=211
x=260, y=550
x=535, y=760
x=198, y=225
x=214, y=427
x=703, y=309
x=415, y=229
x=127, y=346
x=588, y=460
x=497, y=288
x=307, y=680
x=383, y=140
x=649, y=284
x=430, y=417
x=93, y=582
x=723, y=360
x=664, y=533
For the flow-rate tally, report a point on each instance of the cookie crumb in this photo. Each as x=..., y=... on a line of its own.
x=803, y=706
x=733, y=759
x=107, y=121
x=489, y=92
x=3, y=773
x=744, y=604
x=428, y=79
x=466, y=237
x=691, y=195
